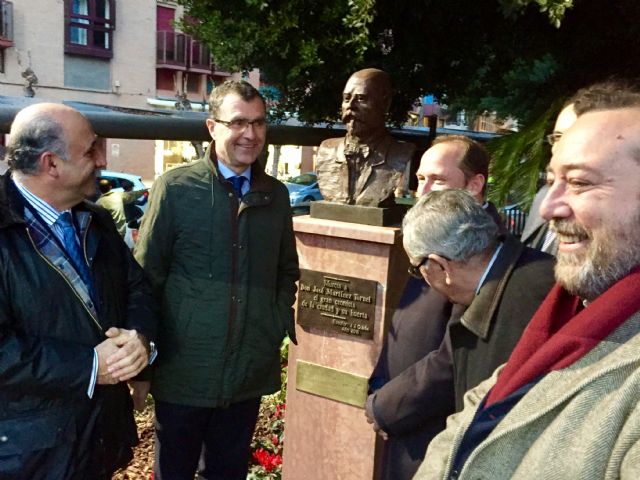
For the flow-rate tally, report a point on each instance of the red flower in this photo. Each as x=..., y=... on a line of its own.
x=280, y=408
x=268, y=460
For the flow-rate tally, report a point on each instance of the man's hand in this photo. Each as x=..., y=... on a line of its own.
x=104, y=350
x=368, y=412
x=139, y=391
x=131, y=356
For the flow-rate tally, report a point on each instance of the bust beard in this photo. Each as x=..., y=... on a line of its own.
x=356, y=137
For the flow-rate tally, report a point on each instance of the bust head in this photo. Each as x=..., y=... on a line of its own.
x=365, y=103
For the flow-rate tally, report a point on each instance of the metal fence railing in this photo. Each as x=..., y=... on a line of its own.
x=514, y=219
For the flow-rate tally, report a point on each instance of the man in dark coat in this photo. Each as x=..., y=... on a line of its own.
x=414, y=347
x=497, y=282
x=75, y=309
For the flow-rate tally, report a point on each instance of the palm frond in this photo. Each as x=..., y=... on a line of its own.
x=518, y=159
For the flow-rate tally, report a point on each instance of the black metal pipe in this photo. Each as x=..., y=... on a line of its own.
x=116, y=122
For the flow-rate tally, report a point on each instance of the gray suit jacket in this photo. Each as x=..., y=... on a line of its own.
x=535, y=228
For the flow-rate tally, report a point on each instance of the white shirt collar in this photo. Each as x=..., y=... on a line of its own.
x=486, y=270
x=48, y=213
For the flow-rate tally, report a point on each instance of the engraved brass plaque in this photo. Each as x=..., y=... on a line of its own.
x=337, y=303
x=331, y=383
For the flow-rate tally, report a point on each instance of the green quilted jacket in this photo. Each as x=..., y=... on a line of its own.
x=223, y=273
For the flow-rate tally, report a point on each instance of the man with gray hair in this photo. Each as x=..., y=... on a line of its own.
x=75, y=309
x=456, y=247
x=414, y=366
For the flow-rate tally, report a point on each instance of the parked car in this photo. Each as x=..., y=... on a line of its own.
x=303, y=189
x=133, y=211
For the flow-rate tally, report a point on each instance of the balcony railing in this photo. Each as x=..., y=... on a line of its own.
x=6, y=24
x=181, y=52
x=171, y=50
x=199, y=57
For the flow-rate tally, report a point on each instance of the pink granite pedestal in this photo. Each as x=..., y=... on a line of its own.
x=329, y=439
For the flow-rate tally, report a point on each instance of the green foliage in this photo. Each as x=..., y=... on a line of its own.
x=518, y=159
x=298, y=45
x=506, y=55
x=510, y=56
x=555, y=9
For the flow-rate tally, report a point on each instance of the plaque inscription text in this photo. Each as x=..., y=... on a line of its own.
x=337, y=303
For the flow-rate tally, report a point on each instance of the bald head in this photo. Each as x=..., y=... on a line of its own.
x=365, y=103
x=37, y=129
x=55, y=154
x=379, y=82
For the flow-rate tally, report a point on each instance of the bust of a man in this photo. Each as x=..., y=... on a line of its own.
x=366, y=166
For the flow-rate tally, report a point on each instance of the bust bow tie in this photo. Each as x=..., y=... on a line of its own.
x=355, y=149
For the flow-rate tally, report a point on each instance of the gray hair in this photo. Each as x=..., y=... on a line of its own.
x=449, y=223
x=31, y=139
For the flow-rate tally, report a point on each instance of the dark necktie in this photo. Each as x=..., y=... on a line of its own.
x=72, y=247
x=238, y=181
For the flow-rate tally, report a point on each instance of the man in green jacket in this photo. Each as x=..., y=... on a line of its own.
x=217, y=243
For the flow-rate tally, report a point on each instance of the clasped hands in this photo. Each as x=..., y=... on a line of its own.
x=121, y=356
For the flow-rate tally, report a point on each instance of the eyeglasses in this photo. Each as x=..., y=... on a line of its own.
x=241, y=124
x=414, y=270
x=553, y=138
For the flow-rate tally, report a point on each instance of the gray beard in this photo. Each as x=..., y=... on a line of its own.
x=611, y=257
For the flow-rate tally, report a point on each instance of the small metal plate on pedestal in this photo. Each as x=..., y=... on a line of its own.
x=337, y=303
x=376, y=216
x=331, y=383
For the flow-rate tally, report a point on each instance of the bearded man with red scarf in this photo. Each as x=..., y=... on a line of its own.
x=565, y=405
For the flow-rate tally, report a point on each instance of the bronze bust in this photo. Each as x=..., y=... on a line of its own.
x=366, y=166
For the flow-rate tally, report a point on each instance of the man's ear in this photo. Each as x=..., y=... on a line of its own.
x=48, y=163
x=438, y=262
x=475, y=185
x=210, y=126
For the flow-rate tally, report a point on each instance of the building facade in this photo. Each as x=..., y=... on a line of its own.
x=93, y=51
x=119, y=53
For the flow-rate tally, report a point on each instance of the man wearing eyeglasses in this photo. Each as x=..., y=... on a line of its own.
x=414, y=360
x=536, y=232
x=217, y=243
x=498, y=283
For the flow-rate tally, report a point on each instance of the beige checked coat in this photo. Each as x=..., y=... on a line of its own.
x=581, y=422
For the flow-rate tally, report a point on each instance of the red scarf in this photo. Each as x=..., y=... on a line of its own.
x=557, y=336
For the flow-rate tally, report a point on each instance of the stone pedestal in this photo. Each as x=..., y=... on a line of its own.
x=327, y=435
